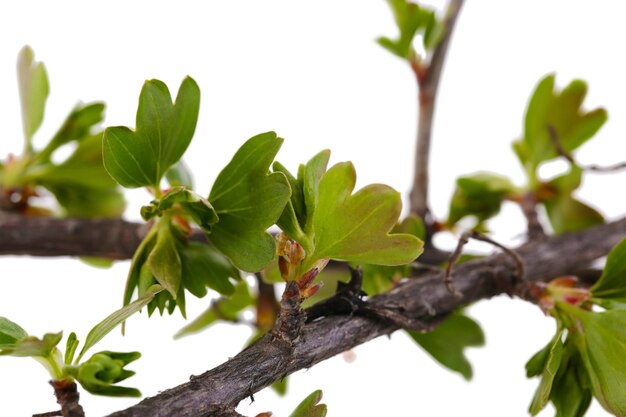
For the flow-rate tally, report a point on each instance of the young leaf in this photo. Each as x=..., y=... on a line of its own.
x=34, y=88
x=105, y=326
x=601, y=341
x=448, y=341
x=70, y=348
x=195, y=205
x=355, y=227
x=479, y=195
x=77, y=126
x=551, y=365
x=205, y=267
x=164, y=260
x=570, y=391
x=612, y=283
x=312, y=174
x=412, y=18
x=310, y=406
x=164, y=130
x=10, y=332
x=98, y=374
x=562, y=112
x=80, y=183
x=248, y=200
x=31, y=346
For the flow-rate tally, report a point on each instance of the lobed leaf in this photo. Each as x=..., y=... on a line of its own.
x=355, y=227
x=551, y=363
x=562, y=112
x=446, y=344
x=31, y=346
x=205, y=267
x=164, y=260
x=164, y=130
x=248, y=200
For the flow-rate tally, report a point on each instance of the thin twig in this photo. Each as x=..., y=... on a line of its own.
x=465, y=237
x=554, y=137
x=428, y=76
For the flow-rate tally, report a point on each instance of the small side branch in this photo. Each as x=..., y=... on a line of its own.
x=528, y=204
x=428, y=76
x=465, y=237
x=554, y=137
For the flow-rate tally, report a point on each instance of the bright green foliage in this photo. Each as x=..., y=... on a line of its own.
x=34, y=88
x=80, y=183
x=562, y=112
x=601, y=341
x=479, y=195
x=547, y=361
x=142, y=157
x=193, y=204
x=10, y=332
x=248, y=200
x=99, y=373
x=591, y=357
x=412, y=19
x=310, y=406
x=204, y=267
x=112, y=321
x=164, y=261
x=612, y=284
x=31, y=346
x=355, y=227
x=225, y=308
x=446, y=344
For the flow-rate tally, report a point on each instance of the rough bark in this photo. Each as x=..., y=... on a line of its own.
x=218, y=391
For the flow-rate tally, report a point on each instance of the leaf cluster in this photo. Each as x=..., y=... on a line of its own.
x=79, y=182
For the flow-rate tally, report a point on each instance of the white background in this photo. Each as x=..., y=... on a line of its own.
x=312, y=72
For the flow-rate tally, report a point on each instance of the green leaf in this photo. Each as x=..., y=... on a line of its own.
x=10, y=332
x=612, y=283
x=552, y=361
x=446, y=344
x=164, y=130
x=113, y=320
x=224, y=308
x=355, y=227
x=34, y=88
x=310, y=406
x=479, y=195
x=98, y=374
x=164, y=260
x=562, y=111
x=601, y=341
x=567, y=214
x=195, y=205
x=180, y=175
x=70, y=348
x=31, y=346
x=570, y=391
x=413, y=225
x=412, y=19
x=312, y=174
x=280, y=387
x=80, y=183
x=77, y=126
x=248, y=200
x=205, y=267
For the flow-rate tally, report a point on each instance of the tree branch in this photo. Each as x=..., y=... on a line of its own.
x=428, y=77
x=218, y=391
